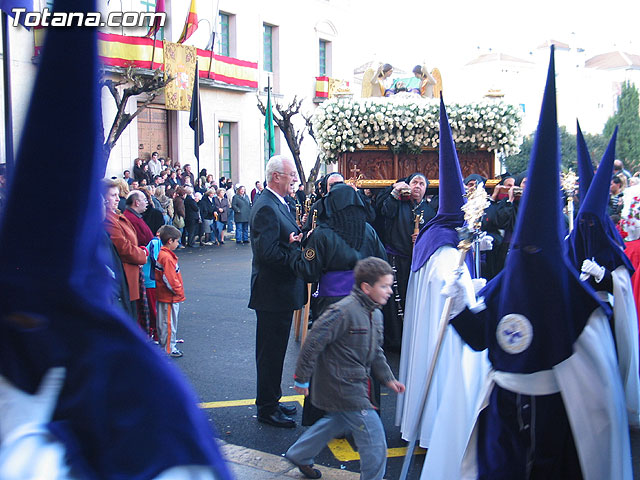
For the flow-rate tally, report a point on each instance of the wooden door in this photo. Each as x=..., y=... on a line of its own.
x=153, y=132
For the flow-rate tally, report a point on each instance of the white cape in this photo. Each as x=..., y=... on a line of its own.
x=626, y=334
x=594, y=400
x=460, y=372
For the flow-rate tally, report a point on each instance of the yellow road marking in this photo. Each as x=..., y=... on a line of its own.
x=343, y=451
x=341, y=448
x=248, y=401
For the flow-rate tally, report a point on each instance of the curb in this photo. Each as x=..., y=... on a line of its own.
x=248, y=464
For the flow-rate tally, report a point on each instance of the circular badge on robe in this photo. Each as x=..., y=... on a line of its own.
x=514, y=333
x=309, y=254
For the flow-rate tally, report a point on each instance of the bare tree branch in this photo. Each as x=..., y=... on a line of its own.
x=134, y=84
x=283, y=116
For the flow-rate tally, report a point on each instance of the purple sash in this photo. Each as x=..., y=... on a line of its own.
x=336, y=284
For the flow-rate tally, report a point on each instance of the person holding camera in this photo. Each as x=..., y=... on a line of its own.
x=499, y=221
x=405, y=210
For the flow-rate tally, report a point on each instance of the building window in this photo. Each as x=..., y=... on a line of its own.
x=223, y=37
x=323, y=57
x=224, y=148
x=268, y=48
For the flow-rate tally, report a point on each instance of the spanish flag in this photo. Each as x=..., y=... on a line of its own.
x=191, y=24
x=155, y=26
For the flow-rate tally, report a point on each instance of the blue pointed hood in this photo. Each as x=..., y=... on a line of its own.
x=124, y=411
x=585, y=167
x=440, y=230
x=538, y=294
x=67, y=164
x=592, y=235
x=585, y=176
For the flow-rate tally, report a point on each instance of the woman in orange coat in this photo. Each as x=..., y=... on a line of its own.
x=124, y=238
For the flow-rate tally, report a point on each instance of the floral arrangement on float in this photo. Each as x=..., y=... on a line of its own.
x=411, y=124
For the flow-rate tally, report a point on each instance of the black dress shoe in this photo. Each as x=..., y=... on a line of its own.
x=307, y=470
x=277, y=419
x=288, y=410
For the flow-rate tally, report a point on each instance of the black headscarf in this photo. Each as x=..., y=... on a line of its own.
x=504, y=176
x=324, y=183
x=346, y=214
x=417, y=174
x=474, y=176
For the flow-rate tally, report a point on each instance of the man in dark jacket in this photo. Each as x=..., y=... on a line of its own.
x=207, y=209
x=275, y=290
x=242, y=209
x=187, y=173
x=342, y=350
x=301, y=197
x=192, y=217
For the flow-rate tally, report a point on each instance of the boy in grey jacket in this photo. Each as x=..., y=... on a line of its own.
x=341, y=351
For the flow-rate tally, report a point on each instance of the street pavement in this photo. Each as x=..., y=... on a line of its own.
x=219, y=345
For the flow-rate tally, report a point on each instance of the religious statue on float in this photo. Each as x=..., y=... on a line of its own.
x=423, y=83
x=375, y=82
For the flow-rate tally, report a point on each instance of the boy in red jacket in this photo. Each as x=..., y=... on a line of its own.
x=169, y=289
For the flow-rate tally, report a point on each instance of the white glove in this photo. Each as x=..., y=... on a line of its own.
x=486, y=243
x=21, y=412
x=454, y=289
x=590, y=267
x=478, y=284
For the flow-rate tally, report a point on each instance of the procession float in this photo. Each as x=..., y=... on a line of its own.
x=378, y=139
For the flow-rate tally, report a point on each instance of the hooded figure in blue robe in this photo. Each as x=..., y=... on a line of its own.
x=123, y=411
x=458, y=378
x=596, y=252
x=554, y=403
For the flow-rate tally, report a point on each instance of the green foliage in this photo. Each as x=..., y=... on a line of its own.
x=627, y=118
x=520, y=162
x=568, y=151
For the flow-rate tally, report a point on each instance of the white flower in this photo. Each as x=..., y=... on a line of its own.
x=346, y=125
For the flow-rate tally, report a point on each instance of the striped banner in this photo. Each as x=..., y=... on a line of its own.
x=124, y=51
x=322, y=87
x=121, y=51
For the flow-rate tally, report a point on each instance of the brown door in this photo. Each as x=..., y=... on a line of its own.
x=152, y=132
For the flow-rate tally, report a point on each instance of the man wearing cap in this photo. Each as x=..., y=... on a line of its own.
x=499, y=222
x=405, y=209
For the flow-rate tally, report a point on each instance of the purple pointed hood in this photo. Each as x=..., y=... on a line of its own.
x=441, y=229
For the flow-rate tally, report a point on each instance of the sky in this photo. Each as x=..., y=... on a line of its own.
x=448, y=34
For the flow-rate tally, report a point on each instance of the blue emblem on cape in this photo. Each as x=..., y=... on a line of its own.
x=514, y=333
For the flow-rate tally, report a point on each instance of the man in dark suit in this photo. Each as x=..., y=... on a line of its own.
x=275, y=290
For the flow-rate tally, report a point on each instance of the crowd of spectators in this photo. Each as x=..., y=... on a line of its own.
x=163, y=193
x=202, y=208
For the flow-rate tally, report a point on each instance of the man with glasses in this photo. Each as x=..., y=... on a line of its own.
x=275, y=289
x=136, y=205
